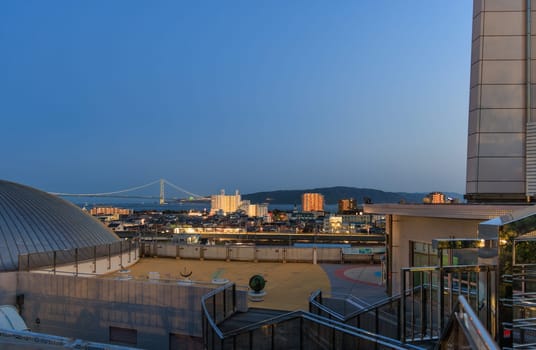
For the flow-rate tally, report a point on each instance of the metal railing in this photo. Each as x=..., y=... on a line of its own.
x=432, y=296
x=304, y=330
x=217, y=306
x=465, y=331
x=523, y=326
x=294, y=330
x=53, y=259
x=523, y=304
x=346, y=304
x=381, y=318
x=420, y=313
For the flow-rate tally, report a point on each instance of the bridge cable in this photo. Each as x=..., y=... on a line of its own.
x=182, y=189
x=105, y=193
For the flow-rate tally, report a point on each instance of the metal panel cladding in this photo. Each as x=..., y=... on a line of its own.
x=35, y=221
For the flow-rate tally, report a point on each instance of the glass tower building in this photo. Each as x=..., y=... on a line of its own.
x=501, y=157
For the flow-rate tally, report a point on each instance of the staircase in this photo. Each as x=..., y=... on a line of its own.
x=224, y=328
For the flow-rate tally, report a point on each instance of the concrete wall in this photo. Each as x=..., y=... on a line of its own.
x=238, y=253
x=254, y=253
x=215, y=252
x=270, y=254
x=298, y=254
x=189, y=251
x=403, y=229
x=86, y=308
x=8, y=288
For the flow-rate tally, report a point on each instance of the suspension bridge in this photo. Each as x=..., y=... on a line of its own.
x=133, y=192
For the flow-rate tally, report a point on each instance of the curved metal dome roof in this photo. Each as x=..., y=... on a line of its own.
x=35, y=221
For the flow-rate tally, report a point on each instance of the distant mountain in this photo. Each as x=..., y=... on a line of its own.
x=333, y=194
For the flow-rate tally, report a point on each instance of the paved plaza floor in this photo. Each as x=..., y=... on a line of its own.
x=288, y=284
x=363, y=281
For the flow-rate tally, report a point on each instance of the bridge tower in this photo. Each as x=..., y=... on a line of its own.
x=162, y=198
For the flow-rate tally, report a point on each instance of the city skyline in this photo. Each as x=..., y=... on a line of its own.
x=103, y=96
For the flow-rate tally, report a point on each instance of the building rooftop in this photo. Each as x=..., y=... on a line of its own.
x=458, y=211
x=288, y=286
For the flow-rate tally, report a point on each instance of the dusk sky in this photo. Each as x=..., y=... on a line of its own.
x=97, y=96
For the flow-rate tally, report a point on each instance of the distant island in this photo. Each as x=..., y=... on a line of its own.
x=333, y=194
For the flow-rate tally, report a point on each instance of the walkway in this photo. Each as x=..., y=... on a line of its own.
x=362, y=281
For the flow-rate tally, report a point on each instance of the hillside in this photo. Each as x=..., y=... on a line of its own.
x=333, y=194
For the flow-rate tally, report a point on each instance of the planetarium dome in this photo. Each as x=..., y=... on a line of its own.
x=35, y=221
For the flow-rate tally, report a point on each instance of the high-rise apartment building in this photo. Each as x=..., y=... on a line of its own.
x=312, y=202
x=224, y=203
x=501, y=156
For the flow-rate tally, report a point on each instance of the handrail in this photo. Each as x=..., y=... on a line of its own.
x=336, y=295
x=475, y=333
x=473, y=320
x=333, y=324
x=358, y=332
x=383, y=302
x=210, y=320
x=312, y=301
x=329, y=311
x=357, y=302
x=526, y=319
x=380, y=339
x=349, y=298
x=426, y=314
x=276, y=319
x=353, y=314
x=314, y=294
x=379, y=304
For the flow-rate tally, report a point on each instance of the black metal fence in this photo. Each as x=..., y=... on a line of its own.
x=52, y=260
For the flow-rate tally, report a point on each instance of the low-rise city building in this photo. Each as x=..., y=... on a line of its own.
x=109, y=210
x=347, y=205
x=350, y=224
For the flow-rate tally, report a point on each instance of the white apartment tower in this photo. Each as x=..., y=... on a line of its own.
x=224, y=203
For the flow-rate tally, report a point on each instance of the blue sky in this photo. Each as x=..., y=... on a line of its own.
x=97, y=96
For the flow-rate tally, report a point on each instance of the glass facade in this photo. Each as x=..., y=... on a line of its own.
x=423, y=254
